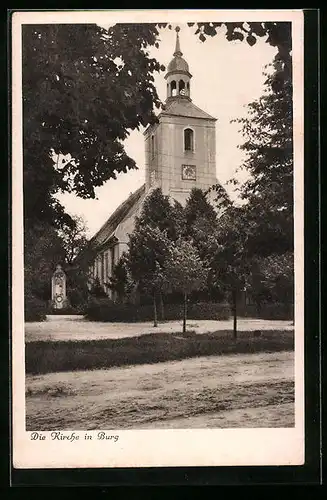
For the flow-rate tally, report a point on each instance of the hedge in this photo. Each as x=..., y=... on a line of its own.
x=277, y=311
x=105, y=310
x=35, y=309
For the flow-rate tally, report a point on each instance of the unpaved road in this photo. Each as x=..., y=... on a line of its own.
x=247, y=390
x=77, y=328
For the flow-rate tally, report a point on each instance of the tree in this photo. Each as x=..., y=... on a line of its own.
x=121, y=282
x=43, y=250
x=230, y=260
x=269, y=161
x=158, y=225
x=263, y=225
x=197, y=206
x=200, y=226
x=268, y=133
x=148, y=249
x=159, y=212
x=272, y=279
x=277, y=34
x=184, y=271
x=84, y=89
x=73, y=237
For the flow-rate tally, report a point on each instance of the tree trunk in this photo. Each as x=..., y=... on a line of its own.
x=234, y=314
x=184, y=312
x=162, y=308
x=155, y=315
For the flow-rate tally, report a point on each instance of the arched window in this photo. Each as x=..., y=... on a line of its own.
x=181, y=87
x=188, y=139
x=173, y=88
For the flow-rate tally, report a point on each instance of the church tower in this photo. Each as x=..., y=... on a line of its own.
x=180, y=150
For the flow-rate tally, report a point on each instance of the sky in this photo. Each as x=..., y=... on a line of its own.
x=226, y=77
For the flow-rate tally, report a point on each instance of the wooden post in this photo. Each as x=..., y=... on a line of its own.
x=155, y=315
x=184, y=312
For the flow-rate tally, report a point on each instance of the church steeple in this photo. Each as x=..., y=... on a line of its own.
x=178, y=76
x=178, y=51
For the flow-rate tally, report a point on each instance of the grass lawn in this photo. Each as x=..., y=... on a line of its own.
x=64, y=356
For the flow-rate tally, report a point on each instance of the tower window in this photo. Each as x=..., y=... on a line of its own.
x=188, y=139
x=173, y=88
x=181, y=87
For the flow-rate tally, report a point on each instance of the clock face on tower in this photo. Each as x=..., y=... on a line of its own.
x=189, y=172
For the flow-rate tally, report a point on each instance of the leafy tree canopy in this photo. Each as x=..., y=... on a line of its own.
x=73, y=238
x=43, y=250
x=158, y=212
x=84, y=89
x=148, y=249
x=184, y=269
x=277, y=34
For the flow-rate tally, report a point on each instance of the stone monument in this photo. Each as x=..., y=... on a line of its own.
x=58, y=289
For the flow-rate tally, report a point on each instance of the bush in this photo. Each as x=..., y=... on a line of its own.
x=277, y=311
x=35, y=309
x=267, y=311
x=70, y=310
x=106, y=310
x=209, y=310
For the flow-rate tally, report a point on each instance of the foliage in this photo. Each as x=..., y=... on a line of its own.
x=197, y=206
x=73, y=237
x=272, y=279
x=106, y=310
x=229, y=259
x=159, y=213
x=45, y=247
x=121, y=282
x=43, y=250
x=184, y=269
x=201, y=226
x=148, y=249
x=77, y=286
x=155, y=230
x=256, y=235
x=269, y=190
x=277, y=34
x=85, y=88
x=97, y=290
x=35, y=309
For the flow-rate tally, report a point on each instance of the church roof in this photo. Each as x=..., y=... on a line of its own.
x=185, y=107
x=109, y=227
x=178, y=64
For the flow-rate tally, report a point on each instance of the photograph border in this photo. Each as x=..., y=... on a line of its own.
x=310, y=471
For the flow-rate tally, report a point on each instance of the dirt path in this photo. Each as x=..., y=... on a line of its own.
x=77, y=328
x=252, y=390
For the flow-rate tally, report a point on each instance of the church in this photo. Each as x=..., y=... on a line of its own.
x=180, y=154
